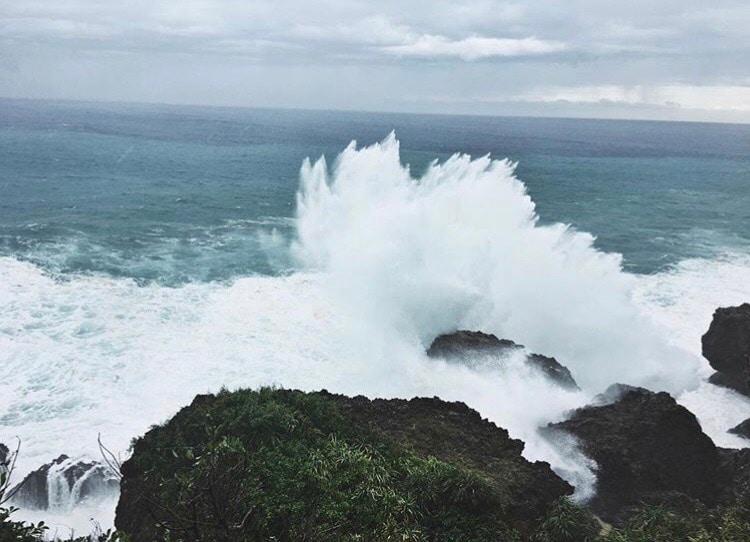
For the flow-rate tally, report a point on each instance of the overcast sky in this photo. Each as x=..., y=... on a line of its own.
x=669, y=59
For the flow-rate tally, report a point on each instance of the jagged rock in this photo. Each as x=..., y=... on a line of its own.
x=478, y=349
x=63, y=483
x=645, y=446
x=742, y=429
x=726, y=345
x=449, y=432
x=613, y=394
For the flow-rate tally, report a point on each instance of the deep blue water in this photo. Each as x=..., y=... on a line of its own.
x=177, y=194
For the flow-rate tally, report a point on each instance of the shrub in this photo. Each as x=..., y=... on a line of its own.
x=727, y=523
x=566, y=522
x=273, y=465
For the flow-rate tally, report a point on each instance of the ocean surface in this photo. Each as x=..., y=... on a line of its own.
x=149, y=253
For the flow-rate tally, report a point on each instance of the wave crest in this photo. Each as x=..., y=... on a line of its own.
x=462, y=247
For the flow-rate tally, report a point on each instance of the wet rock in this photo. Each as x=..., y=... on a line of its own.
x=614, y=393
x=645, y=446
x=726, y=345
x=65, y=483
x=482, y=350
x=742, y=429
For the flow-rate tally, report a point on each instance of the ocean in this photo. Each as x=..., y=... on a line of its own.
x=151, y=252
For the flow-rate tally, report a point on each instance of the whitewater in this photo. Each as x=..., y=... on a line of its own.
x=384, y=262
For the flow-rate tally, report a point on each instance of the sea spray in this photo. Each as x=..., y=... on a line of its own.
x=462, y=248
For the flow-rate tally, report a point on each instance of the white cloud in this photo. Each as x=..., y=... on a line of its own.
x=369, y=30
x=57, y=28
x=473, y=48
x=679, y=55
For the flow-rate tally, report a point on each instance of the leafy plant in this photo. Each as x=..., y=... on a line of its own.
x=727, y=523
x=566, y=522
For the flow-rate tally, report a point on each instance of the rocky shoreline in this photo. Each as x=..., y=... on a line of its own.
x=287, y=465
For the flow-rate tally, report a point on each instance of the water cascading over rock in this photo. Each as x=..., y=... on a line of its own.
x=65, y=483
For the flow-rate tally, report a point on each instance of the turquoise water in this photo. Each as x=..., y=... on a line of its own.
x=181, y=194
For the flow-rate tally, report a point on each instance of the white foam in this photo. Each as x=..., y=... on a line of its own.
x=682, y=301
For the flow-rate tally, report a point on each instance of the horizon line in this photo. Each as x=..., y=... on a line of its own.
x=372, y=111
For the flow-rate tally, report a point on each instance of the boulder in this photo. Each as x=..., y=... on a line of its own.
x=742, y=429
x=483, y=350
x=645, y=446
x=64, y=483
x=726, y=345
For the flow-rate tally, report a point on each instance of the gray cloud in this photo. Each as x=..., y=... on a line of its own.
x=640, y=58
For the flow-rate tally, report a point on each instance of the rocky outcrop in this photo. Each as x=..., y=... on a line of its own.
x=274, y=423
x=742, y=429
x=63, y=483
x=482, y=350
x=647, y=447
x=726, y=345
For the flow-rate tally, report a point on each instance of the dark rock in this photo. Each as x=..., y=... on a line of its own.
x=614, y=393
x=742, y=429
x=65, y=482
x=4, y=459
x=726, y=345
x=734, y=473
x=644, y=444
x=32, y=493
x=481, y=350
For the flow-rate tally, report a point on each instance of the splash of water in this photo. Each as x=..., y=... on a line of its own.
x=461, y=247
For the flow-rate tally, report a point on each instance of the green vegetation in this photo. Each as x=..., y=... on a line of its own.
x=288, y=466
x=730, y=523
x=15, y=531
x=566, y=522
